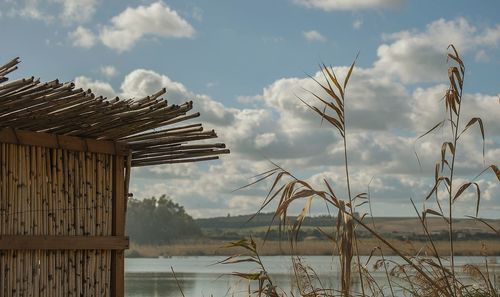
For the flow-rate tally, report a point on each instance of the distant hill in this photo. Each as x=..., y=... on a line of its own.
x=260, y=220
x=235, y=227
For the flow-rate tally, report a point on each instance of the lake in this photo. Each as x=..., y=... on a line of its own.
x=201, y=276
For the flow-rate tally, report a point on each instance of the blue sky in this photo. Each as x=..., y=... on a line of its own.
x=243, y=63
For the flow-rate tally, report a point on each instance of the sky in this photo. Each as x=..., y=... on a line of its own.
x=245, y=64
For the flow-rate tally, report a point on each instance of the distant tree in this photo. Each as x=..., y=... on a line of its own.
x=158, y=221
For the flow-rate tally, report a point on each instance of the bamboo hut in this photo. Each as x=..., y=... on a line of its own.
x=65, y=161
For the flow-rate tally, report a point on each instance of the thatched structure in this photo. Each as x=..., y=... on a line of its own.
x=65, y=159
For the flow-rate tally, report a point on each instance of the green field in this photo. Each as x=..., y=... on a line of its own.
x=404, y=228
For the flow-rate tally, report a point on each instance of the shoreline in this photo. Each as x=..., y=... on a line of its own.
x=490, y=247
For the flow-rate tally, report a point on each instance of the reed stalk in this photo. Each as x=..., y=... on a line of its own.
x=424, y=276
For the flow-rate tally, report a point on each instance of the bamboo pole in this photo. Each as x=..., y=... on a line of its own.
x=79, y=182
x=43, y=219
x=3, y=181
x=34, y=196
x=30, y=174
x=21, y=214
x=58, y=223
x=8, y=216
x=48, y=219
x=38, y=216
x=32, y=283
x=17, y=228
x=72, y=224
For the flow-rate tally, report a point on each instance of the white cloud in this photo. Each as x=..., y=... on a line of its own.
x=77, y=11
x=331, y=5
x=108, y=71
x=141, y=82
x=491, y=36
x=99, y=88
x=357, y=24
x=71, y=11
x=313, y=35
x=427, y=108
x=416, y=56
x=482, y=56
x=384, y=117
x=182, y=170
x=211, y=84
x=31, y=10
x=314, y=155
x=265, y=139
x=369, y=95
x=286, y=132
x=157, y=20
x=197, y=14
x=82, y=37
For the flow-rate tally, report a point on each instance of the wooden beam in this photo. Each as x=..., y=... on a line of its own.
x=43, y=242
x=118, y=228
x=23, y=137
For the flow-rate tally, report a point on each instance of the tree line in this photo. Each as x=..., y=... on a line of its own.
x=158, y=221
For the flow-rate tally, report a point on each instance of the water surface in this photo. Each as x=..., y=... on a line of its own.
x=201, y=276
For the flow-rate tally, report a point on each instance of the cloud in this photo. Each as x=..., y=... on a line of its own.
x=265, y=139
x=31, y=10
x=415, y=57
x=142, y=82
x=482, y=56
x=490, y=37
x=77, y=11
x=290, y=135
x=357, y=24
x=426, y=107
x=372, y=100
x=313, y=35
x=331, y=5
x=108, y=71
x=285, y=131
x=156, y=20
x=197, y=14
x=82, y=37
x=385, y=114
x=98, y=87
x=71, y=11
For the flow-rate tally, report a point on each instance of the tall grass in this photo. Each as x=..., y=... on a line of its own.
x=430, y=274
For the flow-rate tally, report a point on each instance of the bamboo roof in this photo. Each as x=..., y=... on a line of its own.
x=153, y=129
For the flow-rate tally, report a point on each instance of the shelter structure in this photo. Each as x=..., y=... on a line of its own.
x=65, y=162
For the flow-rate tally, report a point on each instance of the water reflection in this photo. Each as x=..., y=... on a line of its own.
x=198, y=276
x=154, y=285
x=199, y=284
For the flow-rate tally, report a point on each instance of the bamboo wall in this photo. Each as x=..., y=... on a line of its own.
x=55, y=192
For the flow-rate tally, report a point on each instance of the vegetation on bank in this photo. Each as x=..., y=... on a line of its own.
x=159, y=227
x=158, y=221
x=403, y=228
x=309, y=247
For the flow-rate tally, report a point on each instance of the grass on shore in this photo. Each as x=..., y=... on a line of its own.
x=311, y=247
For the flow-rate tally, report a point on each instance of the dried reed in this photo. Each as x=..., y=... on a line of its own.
x=420, y=275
